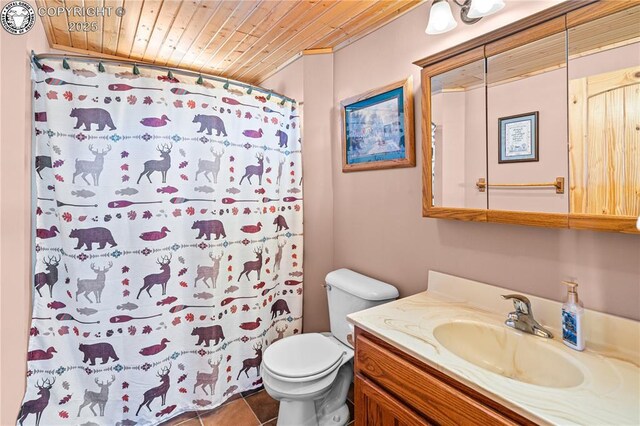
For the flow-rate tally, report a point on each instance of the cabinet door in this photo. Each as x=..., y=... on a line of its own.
x=374, y=407
x=454, y=138
x=604, y=113
x=527, y=122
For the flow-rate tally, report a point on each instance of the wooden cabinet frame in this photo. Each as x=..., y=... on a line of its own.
x=428, y=209
x=393, y=387
x=551, y=21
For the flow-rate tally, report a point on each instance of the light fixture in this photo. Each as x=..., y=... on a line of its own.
x=441, y=18
x=480, y=8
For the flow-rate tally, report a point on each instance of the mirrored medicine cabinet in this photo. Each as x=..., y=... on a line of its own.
x=538, y=123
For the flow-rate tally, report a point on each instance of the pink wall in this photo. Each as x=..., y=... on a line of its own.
x=315, y=92
x=289, y=80
x=377, y=221
x=451, y=147
x=460, y=148
x=15, y=213
x=475, y=129
x=377, y=224
x=547, y=94
x=605, y=61
x=318, y=208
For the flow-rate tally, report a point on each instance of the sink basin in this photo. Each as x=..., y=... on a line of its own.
x=520, y=357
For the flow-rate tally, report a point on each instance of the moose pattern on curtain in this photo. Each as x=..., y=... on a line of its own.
x=168, y=242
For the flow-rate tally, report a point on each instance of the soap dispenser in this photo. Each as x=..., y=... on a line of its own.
x=572, y=313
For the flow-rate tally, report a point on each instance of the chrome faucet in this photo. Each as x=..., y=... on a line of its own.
x=522, y=318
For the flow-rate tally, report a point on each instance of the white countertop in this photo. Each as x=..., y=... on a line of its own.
x=608, y=395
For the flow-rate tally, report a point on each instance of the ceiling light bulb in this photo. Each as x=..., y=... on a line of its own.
x=480, y=8
x=441, y=19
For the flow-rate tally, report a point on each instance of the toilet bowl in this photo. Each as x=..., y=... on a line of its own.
x=310, y=373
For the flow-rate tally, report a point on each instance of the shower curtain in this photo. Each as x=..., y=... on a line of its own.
x=167, y=241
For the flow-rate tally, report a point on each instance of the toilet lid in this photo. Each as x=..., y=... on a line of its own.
x=302, y=355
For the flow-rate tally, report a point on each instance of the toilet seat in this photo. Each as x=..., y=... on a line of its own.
x=303, y=357
x=300, y=389
x=305, y=379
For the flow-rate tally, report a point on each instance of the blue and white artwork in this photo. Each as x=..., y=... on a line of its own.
x=374, y=128
x=518, y=138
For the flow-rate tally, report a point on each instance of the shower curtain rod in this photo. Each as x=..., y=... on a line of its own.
x=129, y=62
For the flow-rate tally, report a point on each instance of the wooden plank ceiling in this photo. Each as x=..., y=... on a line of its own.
x=245, y=40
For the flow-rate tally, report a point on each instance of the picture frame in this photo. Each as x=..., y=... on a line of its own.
x=378, y=128
x=518, y=138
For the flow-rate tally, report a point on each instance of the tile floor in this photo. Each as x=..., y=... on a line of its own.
x=251, y=408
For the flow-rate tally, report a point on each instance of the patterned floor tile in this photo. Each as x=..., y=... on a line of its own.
x=256, y=408
x=234, y=413
x=252, y=391
x=194, y=421
x=204, y=412
x=181, y=419
x=264, y=407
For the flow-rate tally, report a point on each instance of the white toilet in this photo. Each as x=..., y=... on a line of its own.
x=310, y=374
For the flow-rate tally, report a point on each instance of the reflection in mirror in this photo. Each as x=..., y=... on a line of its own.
x=604, y=115
x=527, y=128
x=458, y=136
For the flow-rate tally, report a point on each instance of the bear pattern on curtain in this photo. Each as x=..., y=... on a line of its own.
x=168, y=242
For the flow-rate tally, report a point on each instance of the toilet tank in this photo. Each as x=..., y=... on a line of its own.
x=348, y=292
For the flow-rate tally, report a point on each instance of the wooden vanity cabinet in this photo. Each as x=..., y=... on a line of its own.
x=376, y=407
x=393, y=388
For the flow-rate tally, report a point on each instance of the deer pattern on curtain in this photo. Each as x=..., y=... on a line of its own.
x=168, y=242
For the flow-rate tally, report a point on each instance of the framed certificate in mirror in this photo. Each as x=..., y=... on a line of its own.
x=518, y=138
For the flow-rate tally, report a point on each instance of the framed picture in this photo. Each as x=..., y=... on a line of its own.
x=377, y=128
x=518, y=138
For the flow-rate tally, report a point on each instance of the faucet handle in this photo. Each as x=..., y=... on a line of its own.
x=521, y=303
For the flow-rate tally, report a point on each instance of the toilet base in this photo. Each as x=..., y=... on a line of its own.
x=303, y=413
x=339, y=417
x=332, y=410
x=297, y=413
x=329, y=410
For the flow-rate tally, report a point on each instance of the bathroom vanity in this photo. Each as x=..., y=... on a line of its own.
x=392, y=387
x=444, y=356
